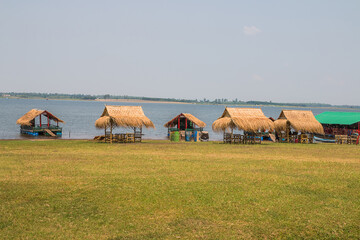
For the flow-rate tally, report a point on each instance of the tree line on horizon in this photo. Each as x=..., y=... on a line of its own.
x=222, y=101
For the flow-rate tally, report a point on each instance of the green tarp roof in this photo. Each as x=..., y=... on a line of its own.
x=343, y=118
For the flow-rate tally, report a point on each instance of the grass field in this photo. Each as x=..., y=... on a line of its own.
x=160, y=190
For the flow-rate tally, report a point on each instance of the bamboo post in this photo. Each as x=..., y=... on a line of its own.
x=140, y=134
x=288, y=131
x=111, y=132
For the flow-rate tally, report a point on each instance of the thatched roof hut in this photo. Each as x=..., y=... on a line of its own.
x=299, y=120
x=189, y=117
x=123, y=116
x=247, y=119
x=29, y=117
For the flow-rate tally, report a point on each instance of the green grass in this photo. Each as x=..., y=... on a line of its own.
x=160, y=190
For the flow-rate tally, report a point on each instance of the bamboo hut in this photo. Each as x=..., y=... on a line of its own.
x=32, y=123
x=187, y=125
x=131, y=117
x=297, y=126
x=251, y=121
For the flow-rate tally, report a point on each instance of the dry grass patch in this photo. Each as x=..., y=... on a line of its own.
x=160, y=190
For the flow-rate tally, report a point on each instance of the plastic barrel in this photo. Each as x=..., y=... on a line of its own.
x=187, y=136
x=176, y=136
x=195, y=136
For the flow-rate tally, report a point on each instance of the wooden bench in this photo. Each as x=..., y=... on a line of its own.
x=119, y=137
x=130, y=137
x=227, y=138
x=304, y=138
x=238, y=138
x=257, y=139
x=341, y=139
x=138, y=137
x=352, y=139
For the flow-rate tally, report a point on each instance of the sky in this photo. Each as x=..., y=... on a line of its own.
x=280, y=51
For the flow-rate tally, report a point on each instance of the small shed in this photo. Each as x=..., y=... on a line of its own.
x=339, y=123
x=32, y=123
x=291, y=123
x=185, y=123
x=251, y=120
x=131, y=117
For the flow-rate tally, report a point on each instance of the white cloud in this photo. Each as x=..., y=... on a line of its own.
x=251, y=30
x=257, y=78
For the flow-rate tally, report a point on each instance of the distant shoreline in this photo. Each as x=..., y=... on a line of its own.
x=138, y=101
x=197, y=103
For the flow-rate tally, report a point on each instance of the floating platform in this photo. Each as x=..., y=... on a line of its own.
x=53, y=131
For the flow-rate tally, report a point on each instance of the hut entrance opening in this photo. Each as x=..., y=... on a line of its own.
x=183, y=124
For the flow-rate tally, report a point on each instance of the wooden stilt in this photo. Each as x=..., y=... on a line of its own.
x=288, y=131
x=111, y=132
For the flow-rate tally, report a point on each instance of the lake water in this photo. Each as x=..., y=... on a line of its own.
x=80, y=116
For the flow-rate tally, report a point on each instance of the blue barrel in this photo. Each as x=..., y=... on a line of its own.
x=195, y=136
x=187, y=136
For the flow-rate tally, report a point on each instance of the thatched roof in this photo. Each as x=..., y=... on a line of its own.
x=33, y=113
x=123, y=116
x=300, y=120
x=189, y=116
x=247, y=119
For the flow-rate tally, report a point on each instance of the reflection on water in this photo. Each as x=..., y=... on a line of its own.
x=80, y=116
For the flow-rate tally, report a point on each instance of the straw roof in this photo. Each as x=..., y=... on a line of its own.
x=300, y=120
x=33, y=113
x=247, y=119
x=189, y=116
x=123, y=116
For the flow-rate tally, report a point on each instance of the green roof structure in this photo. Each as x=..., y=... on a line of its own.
x=341, y=118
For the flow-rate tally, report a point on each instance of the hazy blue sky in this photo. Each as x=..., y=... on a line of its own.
x=288, y=51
